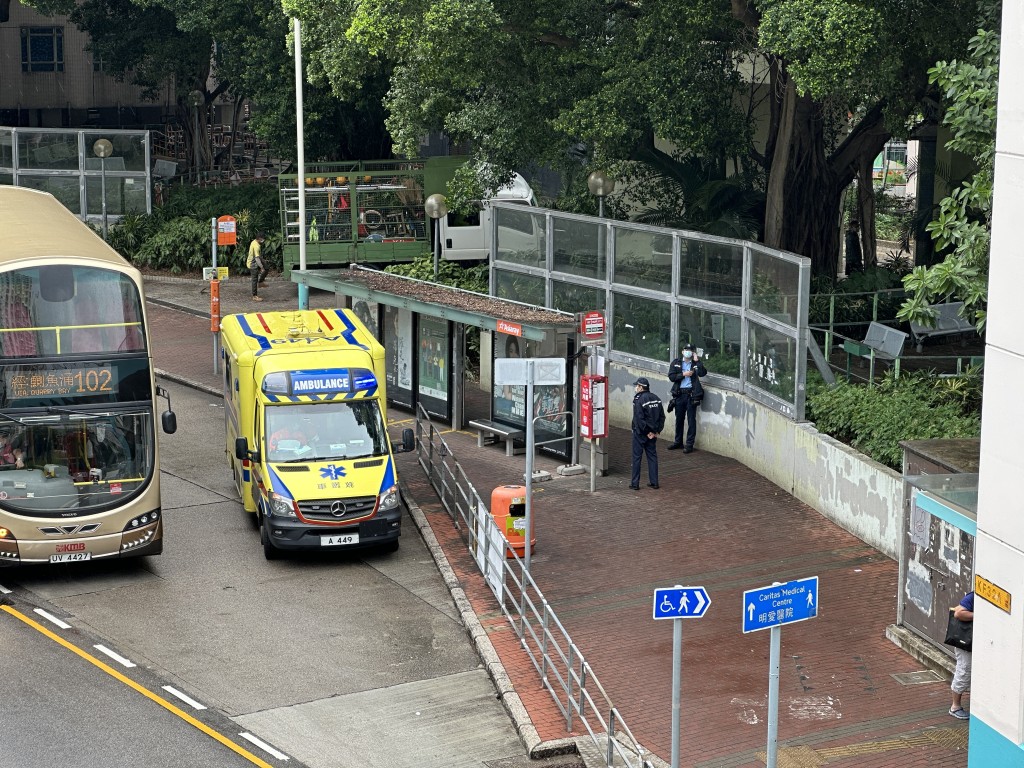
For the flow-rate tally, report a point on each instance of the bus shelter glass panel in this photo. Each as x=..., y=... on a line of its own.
x=550, y=402
x=434, y=367
x=718, y=334
x=775, y=286
x=580, y=248
x=48, y=150
x=643, y=259
x=129, y=153
x=521, y=237
x=7, y=149
x=519, y=287
x=642, y=326
x=572, y=297
x=771, y=362
x=64, y=188
x=123, y=195
x=712, y=271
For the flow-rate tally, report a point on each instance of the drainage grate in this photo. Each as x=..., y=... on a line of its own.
x=918, y=678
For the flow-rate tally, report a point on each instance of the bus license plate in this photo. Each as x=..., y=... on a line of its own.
x=339, y=541
x=70, y=557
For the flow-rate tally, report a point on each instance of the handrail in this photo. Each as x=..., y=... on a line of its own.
x=563, y=670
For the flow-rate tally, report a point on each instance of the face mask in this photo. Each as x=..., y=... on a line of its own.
x=687, y=355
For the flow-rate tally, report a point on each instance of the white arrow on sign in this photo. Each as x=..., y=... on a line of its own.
x=700, y=602
x=750, y=610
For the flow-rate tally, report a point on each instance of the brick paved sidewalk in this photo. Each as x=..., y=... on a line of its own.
x=714, y=523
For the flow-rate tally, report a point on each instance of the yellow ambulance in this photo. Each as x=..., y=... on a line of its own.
x=307, y=439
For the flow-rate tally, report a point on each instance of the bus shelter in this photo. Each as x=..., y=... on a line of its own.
x=423, y=327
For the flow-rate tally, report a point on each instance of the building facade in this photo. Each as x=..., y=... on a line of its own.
x=48, y=78
x=997, y=700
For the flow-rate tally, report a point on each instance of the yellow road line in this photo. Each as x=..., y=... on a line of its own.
x=139, y=688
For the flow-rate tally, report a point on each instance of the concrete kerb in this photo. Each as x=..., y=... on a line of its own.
x=485, y=649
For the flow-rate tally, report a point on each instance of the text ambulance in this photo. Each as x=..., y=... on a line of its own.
x=307, y=439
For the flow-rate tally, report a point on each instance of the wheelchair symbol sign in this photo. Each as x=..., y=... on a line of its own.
x=681, y=602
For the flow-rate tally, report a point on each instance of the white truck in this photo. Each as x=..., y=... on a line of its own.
x=464, y=235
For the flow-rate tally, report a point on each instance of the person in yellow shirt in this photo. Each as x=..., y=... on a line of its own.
x=257, y=268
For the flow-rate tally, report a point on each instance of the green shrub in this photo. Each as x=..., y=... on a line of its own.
x=178, y=245
x=917, y=406
x=474, y=278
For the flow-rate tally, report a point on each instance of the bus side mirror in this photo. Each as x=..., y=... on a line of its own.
x=408, y=440
x=169, y=422
x=241, y=448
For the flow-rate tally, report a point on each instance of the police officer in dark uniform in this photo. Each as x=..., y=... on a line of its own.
x=684, y=372
x=648, y=421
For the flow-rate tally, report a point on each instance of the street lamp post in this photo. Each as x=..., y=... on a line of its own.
x=436, y=207
x=600, y=185
x=102, y=149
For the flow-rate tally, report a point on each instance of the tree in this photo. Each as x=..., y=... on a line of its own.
x=796, y=96
x=237, y=48
x=963, y=228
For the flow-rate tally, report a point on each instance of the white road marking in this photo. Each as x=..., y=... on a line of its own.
x=4, y=590
x=187, y=699
x=264, y=746
x=115, y=656
x=53, y=619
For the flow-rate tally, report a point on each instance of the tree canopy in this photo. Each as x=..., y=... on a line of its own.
x=796, y=97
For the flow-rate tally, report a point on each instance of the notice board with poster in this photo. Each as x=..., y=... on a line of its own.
x=433, y=365
x=397, y=340
x=508, y=403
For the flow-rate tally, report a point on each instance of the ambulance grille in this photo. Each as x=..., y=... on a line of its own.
x=332, y=510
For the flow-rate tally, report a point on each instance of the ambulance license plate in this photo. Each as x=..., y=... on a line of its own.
x=70, y=557
x=339, y=541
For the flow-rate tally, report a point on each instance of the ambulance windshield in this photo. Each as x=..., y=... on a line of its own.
x=330, y=430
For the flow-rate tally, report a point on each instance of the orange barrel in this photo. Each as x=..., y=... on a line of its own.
x=508, y=507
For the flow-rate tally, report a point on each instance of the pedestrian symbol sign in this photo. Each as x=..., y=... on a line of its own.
x=780, y=604
x=680, y=602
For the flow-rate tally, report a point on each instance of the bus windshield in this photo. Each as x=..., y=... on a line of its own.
x=61, y=310
x=74, y=464
x=337, y=429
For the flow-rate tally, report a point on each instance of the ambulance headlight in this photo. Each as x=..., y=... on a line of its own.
x=281, y=506
x=389, y=499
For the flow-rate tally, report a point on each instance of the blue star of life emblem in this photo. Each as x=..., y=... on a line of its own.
x=332, y=472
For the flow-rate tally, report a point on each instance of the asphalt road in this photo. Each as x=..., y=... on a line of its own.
x=339, y=659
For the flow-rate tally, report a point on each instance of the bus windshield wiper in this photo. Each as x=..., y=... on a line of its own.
x=54, y=409
x=11, y=418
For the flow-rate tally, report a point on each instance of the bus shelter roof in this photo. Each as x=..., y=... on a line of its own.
x=441, y=301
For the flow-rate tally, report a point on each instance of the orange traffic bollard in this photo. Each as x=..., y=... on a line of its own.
x=508, y=507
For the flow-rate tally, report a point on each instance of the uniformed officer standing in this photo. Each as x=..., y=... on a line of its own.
x=684, y=372
x=648, y=421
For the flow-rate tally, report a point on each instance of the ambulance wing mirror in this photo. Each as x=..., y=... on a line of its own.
x=242, y=450
x=408, y=441
x=168, y=420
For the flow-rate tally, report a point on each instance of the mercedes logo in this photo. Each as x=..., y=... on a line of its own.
x=338, y=508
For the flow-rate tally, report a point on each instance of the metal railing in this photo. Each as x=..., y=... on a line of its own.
x=562, y=668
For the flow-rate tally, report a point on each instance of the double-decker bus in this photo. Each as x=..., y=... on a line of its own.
x=79, y=470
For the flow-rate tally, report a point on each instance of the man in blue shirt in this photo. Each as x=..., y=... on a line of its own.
x=684, y=372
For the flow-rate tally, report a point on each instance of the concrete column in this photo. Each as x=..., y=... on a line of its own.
x=997, y=698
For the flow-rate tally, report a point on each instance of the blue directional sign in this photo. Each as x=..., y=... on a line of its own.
x=681, y=602
x=780, y=604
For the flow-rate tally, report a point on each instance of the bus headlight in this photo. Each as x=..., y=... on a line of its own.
x=281, y=506
x=389, y=499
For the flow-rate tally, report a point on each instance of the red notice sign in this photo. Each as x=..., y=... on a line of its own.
x=592, y=325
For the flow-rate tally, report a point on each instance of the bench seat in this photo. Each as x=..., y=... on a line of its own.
x=492, y=431
x=948, y=322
